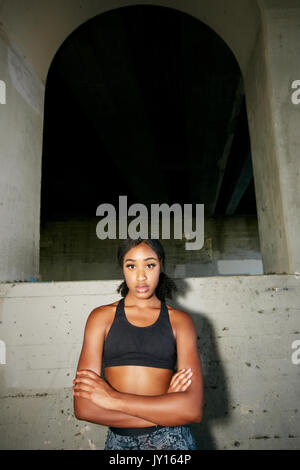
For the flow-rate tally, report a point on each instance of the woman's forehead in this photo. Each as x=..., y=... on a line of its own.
x=141, y=252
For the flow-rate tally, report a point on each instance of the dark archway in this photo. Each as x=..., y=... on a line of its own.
x=148, y=102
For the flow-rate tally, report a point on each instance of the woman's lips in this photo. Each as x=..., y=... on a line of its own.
x=142, y=288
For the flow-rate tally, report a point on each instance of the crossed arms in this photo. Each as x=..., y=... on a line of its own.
x=96, y=401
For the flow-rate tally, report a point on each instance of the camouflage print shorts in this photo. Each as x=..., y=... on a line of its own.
x=167, y=438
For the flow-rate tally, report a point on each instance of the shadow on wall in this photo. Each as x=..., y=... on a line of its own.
x=216, y=394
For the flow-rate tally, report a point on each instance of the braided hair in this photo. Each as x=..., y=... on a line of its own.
x=166, y=285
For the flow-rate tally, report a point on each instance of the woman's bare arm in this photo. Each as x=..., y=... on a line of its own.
x=180, y=382
x=97, y=415
x=170, y=409
x=91, y=359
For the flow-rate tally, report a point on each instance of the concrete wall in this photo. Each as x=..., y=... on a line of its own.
x=70, y=250
x=21, y=120
x=274, y=121
x=266, y=172
x=246, y=326
x=282, y=39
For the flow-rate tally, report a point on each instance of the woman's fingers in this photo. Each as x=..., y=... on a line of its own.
x=186, y=386
x=82, y=394
x=182, y=386
x=178, y=374
x=82, y=387
x=87, y=373
x=84, y=380
x=182, y=376
x=84, y=383
x=181, y=380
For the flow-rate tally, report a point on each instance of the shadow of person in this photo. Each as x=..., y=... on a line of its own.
x=216, y=392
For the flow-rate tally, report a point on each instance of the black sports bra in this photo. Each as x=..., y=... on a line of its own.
x=150, y=346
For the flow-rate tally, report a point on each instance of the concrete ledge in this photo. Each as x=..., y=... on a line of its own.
x=246, y=326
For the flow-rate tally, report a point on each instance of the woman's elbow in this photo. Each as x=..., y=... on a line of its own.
x=197, y=418
x=78, y=416
x=78, y=411
x=196, y=414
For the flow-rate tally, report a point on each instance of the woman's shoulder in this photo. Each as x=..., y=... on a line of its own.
x=180, y=314
x=179, y=318
x=106, y=307
x=103, y=313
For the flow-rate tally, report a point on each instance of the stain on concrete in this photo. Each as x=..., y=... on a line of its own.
x=25, y=80
x=91, y=444
x=24, y=395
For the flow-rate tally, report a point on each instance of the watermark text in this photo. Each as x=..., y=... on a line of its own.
x=2, y=352
x=295, y=97
x=2, y=92
x=296, y=354
x=107, y=227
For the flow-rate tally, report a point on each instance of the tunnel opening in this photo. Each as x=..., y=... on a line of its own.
x=147, y=102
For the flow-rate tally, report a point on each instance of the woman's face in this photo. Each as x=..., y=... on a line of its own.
x=141, y=267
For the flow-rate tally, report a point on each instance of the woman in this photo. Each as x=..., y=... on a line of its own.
x=139, y=339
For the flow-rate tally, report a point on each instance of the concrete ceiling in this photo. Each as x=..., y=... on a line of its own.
x=147, y=102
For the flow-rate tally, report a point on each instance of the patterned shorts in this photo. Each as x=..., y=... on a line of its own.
x=166, y=437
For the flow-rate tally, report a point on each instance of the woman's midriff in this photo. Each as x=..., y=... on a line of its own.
x=139, y=380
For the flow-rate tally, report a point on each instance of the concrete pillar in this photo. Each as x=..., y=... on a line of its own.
x=21, y=123
x=274, y=121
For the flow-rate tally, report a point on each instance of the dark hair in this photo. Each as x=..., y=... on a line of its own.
x=166, y=285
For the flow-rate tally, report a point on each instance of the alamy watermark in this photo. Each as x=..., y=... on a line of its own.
x=2, y=352
x=295, y=98
x=2, y=92
x=296, y=354
x=138, y=227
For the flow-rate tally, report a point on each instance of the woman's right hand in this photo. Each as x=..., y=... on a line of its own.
x=180, y=381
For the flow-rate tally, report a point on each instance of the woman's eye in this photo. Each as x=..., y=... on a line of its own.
x=150, y=264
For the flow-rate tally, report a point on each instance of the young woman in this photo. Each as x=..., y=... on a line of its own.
x=139, y=339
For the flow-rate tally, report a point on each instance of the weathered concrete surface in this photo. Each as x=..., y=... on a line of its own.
x=274, y=122
x=21, y=121
x=245, y=324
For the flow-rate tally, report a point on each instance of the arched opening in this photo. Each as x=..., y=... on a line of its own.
x=147, y=102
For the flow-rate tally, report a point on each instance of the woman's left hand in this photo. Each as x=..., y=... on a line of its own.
x=89, y=385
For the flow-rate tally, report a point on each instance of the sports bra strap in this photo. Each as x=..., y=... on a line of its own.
x=120, y=308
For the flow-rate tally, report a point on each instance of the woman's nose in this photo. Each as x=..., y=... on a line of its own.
x=140, y=275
